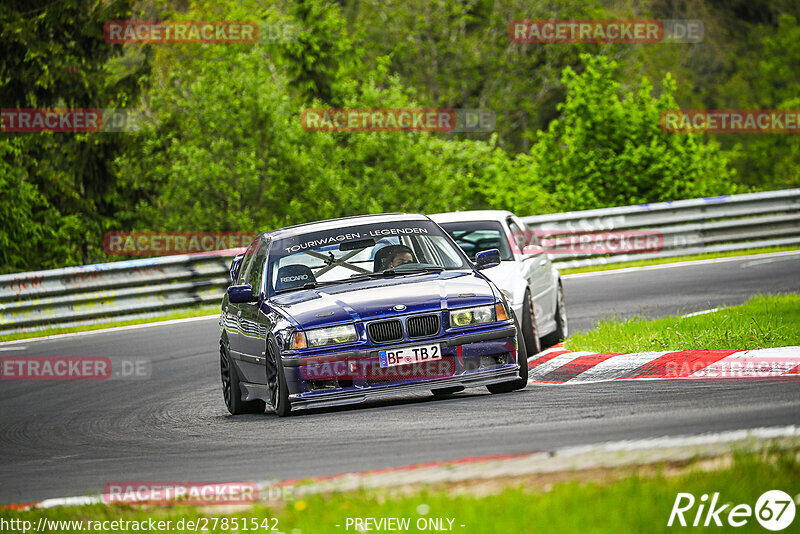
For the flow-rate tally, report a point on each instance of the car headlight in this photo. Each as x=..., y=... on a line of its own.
x=333, y=335
x=470, y=316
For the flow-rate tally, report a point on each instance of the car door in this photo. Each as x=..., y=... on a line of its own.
x=233, y=311
x=253, y=332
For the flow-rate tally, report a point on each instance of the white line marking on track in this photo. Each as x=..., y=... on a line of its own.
x=701, y=312
x=682, y=264
x=112, y=329
x=760, y=262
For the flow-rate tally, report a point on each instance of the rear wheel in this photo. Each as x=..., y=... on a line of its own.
x=231, y=392
x=276, y=381
x=522, y=381
x=562, y=328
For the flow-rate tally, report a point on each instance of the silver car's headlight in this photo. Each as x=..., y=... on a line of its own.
x=333, y=335
x=470, y=316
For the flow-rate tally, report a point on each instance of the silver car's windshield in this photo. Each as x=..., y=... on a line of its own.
x=475, y=236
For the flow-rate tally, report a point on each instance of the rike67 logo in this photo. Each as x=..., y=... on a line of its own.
x=774, y=510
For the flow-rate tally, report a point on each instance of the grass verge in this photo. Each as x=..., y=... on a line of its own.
x=638, y=500
x=761, y=322
x=676, y=259
x=177, y=314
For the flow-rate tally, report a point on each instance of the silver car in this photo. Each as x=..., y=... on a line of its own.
x=526, y=275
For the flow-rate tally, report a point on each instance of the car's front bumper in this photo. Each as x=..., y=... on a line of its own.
x=475, y=359
x=355, y=396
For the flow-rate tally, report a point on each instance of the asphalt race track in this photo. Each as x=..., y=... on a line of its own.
x=674, y=288
x=71, y=438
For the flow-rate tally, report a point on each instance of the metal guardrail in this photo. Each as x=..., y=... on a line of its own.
x=684, y=227
x=136, y=289
x=123, y=290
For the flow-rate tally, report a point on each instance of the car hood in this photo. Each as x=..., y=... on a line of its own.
x=375, y=299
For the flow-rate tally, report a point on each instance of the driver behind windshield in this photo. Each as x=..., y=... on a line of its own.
x=402, y=257
x=394, y=256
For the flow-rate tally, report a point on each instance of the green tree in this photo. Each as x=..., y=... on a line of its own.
x=459, y=55
x=52, y=54
x=772, y=160
x=608, y=149
x=226, y=149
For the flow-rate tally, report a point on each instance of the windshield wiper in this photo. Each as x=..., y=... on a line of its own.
x=311, y=285
x=413, y=270
x=393, y=271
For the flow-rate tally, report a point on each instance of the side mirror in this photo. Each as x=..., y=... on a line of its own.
x=487, y=258
x=237, y=261
x=242, y=293
x=532, y=250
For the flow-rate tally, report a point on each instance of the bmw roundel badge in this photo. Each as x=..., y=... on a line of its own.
x=400, y=307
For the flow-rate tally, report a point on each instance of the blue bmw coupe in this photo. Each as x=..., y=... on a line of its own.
x=336, y=312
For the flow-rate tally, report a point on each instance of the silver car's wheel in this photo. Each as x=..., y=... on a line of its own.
x=562, y=327
x=530, y=328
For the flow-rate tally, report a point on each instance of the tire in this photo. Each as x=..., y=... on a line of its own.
x=231, y=393
x=276, y=381
x=562, y=326
x=522, y=381
x=530, y=328
x=443, y=392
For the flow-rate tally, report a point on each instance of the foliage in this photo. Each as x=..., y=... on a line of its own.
x=608, y=149
x=222, y=147
x=54, y=55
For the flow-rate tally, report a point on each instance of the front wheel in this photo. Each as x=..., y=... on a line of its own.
x=522, y=358
x=276, y=381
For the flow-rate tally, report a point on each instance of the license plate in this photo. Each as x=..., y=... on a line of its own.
x=419, y=353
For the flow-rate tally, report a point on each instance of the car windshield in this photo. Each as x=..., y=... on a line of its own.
x=324, y=257
x=475, y=236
